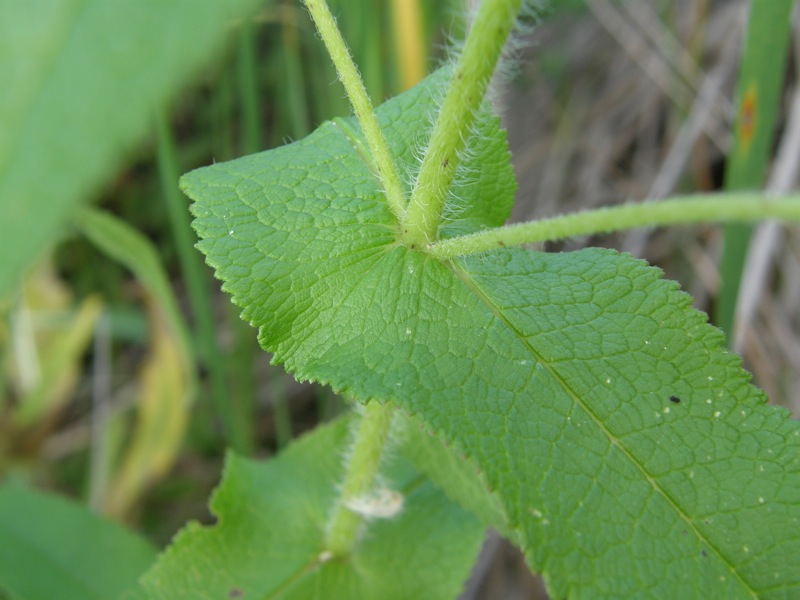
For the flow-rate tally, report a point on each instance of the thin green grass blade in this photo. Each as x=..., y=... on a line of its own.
x=372, y=31
x=292, y=81
x=222, y=117
x=232, y=409
x=758, y=92
x=249, y=83
x=249, y=97
x=124, y=244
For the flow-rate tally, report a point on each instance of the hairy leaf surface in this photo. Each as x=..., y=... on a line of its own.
x=630, y=453
x=272, y=520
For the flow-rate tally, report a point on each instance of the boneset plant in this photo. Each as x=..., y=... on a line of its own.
x=575, y=402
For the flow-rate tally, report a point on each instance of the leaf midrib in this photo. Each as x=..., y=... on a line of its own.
x=464, y=276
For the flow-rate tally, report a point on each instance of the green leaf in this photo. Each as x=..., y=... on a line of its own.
x=457, y=475
x=668, y=454
x=129, y=247
x=554, y=373
x=271, y=524
x=80, y=81
x=486, y=167
x=54, y=548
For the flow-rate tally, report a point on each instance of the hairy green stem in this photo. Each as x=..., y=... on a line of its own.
x=362, y=105
x=719, y=208
x=362, y=468
x=374, y=426
x=474, y=70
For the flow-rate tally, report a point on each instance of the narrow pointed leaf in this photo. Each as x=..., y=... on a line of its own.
x=630, y=453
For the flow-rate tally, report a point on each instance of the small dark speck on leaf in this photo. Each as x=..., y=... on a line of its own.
x=501, y=243
x=703, y=552
x=675, y=399
x=236, y=593
x=445, y=163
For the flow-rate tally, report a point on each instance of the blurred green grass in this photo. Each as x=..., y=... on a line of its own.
x=269, y=82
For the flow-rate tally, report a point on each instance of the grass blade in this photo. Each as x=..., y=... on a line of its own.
x=232, y=410
x=760, y=79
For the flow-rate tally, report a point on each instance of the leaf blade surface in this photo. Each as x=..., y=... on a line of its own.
x=553, y=372
x=271, y=525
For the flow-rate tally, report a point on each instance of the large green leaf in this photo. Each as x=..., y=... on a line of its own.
x=272, y=519
x=458, y=476
x=630, y=453
x=53, y=548
x=81, y=79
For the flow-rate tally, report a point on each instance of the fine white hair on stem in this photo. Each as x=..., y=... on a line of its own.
x=420, y=147
x=529, y=16
x=506, y=67
x=468, y=171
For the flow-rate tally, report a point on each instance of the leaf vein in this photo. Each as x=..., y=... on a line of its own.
x=464, y=276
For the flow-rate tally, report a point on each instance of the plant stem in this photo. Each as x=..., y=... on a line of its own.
x=362, y=106
x=720, y=208
x=362, y=467
x=474, y=70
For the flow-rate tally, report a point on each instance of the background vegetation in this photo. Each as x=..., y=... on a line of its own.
x=126, y=373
